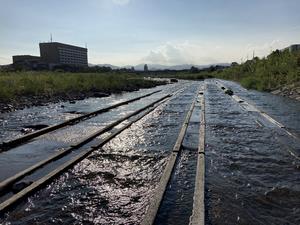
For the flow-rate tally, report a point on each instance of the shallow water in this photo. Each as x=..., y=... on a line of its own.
x=251, y=176
x=41, y=147
x=113, y=185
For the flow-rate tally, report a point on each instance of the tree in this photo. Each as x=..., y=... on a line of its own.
x=194, y=69
x=145, y=67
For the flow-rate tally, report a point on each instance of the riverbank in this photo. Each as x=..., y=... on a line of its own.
x=27, y=89
x=291, y=91
x=278, y=73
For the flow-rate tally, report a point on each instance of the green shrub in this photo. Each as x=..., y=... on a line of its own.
x=13, y=84
x=279, y=68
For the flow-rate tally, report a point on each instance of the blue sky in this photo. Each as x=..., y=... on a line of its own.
x=129, y=32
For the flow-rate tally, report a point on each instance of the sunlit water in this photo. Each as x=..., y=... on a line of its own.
x=114, y=184
x=250, y=176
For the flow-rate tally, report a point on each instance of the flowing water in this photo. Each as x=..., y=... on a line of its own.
x=251, y=176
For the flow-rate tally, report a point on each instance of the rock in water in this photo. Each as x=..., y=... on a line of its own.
x=31, y=128
x=229, y=92
x=20, y=186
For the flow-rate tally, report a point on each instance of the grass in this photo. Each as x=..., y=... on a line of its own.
x=266, y=74
x=14, y=84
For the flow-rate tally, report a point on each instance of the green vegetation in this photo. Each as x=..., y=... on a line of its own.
x=266, y=74
x=14, y=84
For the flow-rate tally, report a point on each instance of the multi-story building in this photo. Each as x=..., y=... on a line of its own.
x=55, y=53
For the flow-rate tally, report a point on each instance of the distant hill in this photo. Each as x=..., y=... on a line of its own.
x=164, y=67
x=140, y=67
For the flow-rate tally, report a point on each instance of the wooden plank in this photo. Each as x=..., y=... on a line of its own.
x=160, y=191
x=6, y=184
x=182, y=132
x=161, y=188
x=198, y=214
x=252, y=108
x=6, y=205
x=5, y=146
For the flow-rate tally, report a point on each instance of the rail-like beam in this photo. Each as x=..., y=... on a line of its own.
x=198, y=214
x=155, y=203
x=5, y=146
x=6, y=205
x=6, y=184
x=252, y=108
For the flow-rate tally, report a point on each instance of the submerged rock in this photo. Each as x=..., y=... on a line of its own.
x=229, y=92
x=173, y=80
x=26, y=130
x=30, y=128
x=20, y=186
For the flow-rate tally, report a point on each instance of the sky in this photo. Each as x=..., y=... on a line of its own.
x=168, y=32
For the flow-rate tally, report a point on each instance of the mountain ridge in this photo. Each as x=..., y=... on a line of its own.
x=140, y=67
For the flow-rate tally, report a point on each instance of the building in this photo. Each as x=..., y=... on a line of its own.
x=292, y=48
x=55, y=53
x=26, y=59
x=28, y=62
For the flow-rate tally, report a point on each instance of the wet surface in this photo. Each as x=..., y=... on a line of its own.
x=283, y=109
x=251, y=175
x=113, y=185
x=42, y=147
x=177, y=204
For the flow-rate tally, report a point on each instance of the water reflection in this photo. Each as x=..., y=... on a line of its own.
x=114, y=184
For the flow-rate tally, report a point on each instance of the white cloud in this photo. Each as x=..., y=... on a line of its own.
x=203, y=53
x=168, y=54
x=191, y=52
x=184, y=53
